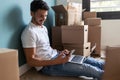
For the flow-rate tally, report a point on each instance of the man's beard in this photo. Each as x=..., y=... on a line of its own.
x=38, y=22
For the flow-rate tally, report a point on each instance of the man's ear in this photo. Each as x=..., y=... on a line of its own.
x=32, y=13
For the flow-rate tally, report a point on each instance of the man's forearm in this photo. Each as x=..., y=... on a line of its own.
x=37, y=63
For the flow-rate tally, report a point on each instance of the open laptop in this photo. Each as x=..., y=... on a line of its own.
x=78, y=58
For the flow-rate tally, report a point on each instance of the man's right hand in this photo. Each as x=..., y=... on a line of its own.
x=62, y=58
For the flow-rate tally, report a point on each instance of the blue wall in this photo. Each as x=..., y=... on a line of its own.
x=14, y=16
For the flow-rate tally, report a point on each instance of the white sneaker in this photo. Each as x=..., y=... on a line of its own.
x=87, y=78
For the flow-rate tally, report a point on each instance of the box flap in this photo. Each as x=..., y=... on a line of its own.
x=59, y=9
x=5, y=50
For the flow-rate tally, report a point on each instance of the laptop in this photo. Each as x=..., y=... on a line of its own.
x=78, y=58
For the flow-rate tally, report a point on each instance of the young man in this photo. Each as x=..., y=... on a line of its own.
x=43, y=57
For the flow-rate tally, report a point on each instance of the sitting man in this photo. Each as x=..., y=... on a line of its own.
x=43, y=57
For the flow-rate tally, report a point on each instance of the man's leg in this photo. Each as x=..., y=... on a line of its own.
x=71, y=69
x=95, y=62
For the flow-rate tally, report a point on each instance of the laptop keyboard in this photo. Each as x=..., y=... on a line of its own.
x=77, y=58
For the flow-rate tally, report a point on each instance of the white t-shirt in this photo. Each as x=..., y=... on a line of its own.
x=36, y=36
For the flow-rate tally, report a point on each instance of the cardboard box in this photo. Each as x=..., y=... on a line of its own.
x=89, y=15
x=68, y=15
x=9, y=69
x=94, y=26
x=112, y=64
x=57, y=46
x=56, y=35
x=56, y=38
x=92, y=21
x=94, y=36
x=75, y=34
x=86, y=49
x=80, y=49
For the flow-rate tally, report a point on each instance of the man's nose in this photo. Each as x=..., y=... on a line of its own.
x=43, y=17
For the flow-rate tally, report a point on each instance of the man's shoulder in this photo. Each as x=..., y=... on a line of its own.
x=27, y=31
x=28, y=28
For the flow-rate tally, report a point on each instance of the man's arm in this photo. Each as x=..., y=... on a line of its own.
x=37, y=62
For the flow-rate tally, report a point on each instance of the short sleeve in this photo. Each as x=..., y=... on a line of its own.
x=28, y=39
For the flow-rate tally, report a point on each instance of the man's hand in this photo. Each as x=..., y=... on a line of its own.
x=63, y=57
x=66, y=52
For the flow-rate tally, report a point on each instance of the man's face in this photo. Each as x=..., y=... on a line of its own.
x=39, y=17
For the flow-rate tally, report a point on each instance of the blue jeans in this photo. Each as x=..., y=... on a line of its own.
x=90, y=68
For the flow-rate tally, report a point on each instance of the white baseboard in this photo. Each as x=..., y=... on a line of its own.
x=24, y=68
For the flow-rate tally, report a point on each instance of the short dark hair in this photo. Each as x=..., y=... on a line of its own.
x=38, y=4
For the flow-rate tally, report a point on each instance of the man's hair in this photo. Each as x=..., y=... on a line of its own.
x=38, y=4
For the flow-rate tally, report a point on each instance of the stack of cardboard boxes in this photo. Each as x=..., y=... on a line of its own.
x=71, y=37
x=64, y=15
x=76, y=37
x=94, y=29
x=56, y=38
x=69, y=33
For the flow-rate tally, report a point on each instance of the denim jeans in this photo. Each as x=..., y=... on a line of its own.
x=90, y=68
